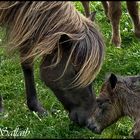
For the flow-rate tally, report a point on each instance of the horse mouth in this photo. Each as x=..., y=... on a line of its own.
x=94, y=128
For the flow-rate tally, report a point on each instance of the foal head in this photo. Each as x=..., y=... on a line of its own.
x=118, y=97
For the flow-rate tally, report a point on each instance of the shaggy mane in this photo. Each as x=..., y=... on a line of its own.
x=38, y=26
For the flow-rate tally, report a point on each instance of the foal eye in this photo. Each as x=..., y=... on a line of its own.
x=100, y=104
x=103, y=104
x=107, y=101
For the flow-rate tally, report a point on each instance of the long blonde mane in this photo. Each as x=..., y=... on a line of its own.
x=38, y=27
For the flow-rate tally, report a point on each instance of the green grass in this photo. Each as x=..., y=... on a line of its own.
x=124, y=61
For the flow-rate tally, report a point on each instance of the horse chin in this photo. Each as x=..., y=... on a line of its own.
x=78, y=118
x=94, y=128
x=82, y=121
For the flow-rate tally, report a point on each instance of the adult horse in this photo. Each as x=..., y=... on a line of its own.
x=71, y=48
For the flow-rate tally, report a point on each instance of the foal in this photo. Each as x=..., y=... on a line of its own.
x=113, y=11
x=119, y=96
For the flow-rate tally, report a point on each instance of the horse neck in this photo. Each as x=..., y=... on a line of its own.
x=130, y=103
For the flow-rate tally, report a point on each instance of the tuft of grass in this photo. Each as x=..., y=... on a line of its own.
x=124, y=61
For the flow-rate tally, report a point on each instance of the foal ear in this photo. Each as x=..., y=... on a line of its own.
x=113, y=80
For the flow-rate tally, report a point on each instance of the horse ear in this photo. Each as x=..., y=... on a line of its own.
x=92, y=16
x=83, y=13
x=113, y=80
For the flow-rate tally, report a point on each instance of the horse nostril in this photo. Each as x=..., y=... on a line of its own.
x=91, y=127
x=78, y=118
x=94, y=128
x=73, y=117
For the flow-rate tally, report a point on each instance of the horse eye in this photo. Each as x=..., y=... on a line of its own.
x=102, y=103
x=107, y=100
x=98, y=100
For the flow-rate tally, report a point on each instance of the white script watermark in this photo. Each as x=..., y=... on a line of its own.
x=4, y=132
